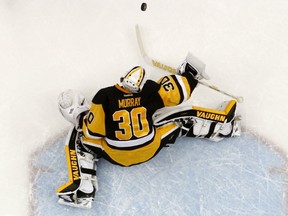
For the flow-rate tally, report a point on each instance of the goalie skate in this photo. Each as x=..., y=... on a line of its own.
x=78, y=200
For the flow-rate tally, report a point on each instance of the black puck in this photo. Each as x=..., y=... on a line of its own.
x=144, y=6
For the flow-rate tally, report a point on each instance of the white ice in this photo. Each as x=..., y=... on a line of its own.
x=49, y=46
x=238, y=176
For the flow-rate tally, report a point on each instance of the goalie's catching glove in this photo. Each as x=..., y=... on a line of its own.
x=194, y=66
x=73, y=105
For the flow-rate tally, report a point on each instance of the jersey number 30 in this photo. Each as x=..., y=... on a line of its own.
x=133, y=123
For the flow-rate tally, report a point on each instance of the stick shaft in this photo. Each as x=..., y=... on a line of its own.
x=170, y=69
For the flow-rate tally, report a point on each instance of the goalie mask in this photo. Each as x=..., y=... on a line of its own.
x=134, y=80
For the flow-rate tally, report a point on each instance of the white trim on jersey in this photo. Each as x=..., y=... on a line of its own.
x=91, y=136
x=130, y=143
x=183, y=87
x=92, y=144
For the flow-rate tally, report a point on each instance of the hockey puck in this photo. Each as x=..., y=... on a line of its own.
x=144, y=6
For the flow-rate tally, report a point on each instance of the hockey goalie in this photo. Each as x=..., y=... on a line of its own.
x=125, y=125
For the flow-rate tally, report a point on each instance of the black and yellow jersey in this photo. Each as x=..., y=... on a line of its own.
x=124, y=119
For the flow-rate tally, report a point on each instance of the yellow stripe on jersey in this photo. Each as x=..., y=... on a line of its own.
x=167, y=129
x=122, y=89
x=139, y=155
x=174, y=90
x=94, y=122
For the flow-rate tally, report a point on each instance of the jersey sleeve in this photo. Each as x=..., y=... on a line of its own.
x=176, y=89
x=94, y=121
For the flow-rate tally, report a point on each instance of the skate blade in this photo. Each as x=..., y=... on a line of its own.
x=236, y=126
x=84, y=204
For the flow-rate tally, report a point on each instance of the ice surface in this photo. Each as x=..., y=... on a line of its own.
x=192, y=177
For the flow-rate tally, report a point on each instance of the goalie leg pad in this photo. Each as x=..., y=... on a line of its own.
x=82, y=186
x=212, y=130
x=213, y=124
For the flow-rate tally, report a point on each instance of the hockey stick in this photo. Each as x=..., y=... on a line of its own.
x=170, y=69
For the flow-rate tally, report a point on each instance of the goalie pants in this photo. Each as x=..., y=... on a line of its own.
x=164, y=135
